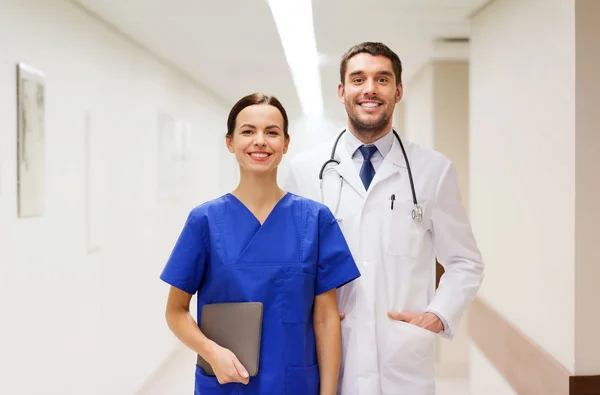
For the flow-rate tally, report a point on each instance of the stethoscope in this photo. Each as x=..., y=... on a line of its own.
x=417, y=211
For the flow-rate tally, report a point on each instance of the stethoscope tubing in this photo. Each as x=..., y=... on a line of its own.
x=417, y=212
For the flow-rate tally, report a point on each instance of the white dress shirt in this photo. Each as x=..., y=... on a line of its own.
x=384, y=146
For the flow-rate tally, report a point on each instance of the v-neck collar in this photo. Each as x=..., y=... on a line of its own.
x=233, y=197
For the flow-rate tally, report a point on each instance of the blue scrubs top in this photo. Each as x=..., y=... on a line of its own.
x=225, y=255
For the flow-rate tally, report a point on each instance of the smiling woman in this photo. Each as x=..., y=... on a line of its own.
x=262, y=245
x=257, y=133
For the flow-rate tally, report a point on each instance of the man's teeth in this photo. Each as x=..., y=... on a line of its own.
x=259, y=155
x=370, y=105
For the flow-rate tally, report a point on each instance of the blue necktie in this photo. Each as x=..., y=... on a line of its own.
x=367, y=171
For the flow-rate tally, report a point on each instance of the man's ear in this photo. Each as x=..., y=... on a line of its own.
x=399, y=92
x=341, y=92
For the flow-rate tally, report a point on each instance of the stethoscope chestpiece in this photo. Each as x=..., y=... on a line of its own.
x=417, y=213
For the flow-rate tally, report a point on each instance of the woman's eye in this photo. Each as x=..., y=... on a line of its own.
x=246, y=131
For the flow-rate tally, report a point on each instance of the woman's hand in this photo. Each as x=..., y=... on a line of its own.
x=227, y=367
x=225, y=364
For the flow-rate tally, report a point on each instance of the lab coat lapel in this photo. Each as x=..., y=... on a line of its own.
x=392, y=163
x=348, y=171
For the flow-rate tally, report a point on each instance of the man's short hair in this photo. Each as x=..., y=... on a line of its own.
x=374, y=49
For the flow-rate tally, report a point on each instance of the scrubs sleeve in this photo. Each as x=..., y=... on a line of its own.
x=186, y=265
x=336, y=267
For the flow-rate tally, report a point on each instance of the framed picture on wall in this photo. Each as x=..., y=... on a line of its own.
x=30, y=141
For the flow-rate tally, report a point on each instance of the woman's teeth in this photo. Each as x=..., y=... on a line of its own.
x=255, y=155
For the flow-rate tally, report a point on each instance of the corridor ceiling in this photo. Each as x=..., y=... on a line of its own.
x=232, y=47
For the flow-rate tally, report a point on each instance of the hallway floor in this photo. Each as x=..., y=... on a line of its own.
x=177, y=378
x=452, y=387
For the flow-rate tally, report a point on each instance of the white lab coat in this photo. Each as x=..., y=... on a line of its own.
x=396, y=258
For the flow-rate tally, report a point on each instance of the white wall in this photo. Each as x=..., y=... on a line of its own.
x=522, y=168
x=419, y=107
x=484, y=378
x=451, y=117
x=399, y=119
x=73, y=322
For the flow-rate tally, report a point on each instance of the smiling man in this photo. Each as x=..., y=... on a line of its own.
x=369, y=92
x=399, y=208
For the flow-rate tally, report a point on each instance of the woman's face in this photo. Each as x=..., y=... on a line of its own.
x=258, y=140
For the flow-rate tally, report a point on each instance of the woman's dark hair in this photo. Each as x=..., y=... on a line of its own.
x=250, y=100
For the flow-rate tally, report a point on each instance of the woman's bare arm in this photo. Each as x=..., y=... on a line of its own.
x=326, y=321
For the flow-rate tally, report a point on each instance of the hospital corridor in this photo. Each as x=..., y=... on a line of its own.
x=129, y=132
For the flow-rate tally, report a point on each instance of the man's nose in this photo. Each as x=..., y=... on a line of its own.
x=370, y=87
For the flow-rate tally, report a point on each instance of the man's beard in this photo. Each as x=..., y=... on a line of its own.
x=371, y=129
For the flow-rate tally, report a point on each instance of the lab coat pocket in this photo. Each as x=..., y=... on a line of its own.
x=302, y=380
x=297, y=295
x=409, y=363
x=401, y=235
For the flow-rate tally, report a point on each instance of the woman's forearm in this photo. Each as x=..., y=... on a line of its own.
x=327, y=336
x=184, y=327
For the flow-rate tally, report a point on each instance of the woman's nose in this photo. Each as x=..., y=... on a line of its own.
x=260, y=139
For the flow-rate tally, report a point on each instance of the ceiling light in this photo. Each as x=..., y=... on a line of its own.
x=294, y=21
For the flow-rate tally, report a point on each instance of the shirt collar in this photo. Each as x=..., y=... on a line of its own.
x=384, y=144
